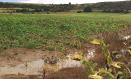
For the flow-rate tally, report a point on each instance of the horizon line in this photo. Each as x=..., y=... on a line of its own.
x=60, y=3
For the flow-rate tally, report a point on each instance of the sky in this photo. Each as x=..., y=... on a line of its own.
x=58, y=1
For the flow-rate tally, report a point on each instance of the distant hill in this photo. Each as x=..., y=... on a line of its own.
x=102, y=6
x=113, y=6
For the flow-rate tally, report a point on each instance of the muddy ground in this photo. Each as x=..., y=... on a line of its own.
x=22, y=63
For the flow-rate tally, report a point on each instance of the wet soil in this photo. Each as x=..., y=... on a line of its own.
x=68, y=73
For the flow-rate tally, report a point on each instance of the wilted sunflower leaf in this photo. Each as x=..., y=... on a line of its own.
x=129, y=51
x=95, y=76
x=77, y=57
x=116, y=64
x=96, y=41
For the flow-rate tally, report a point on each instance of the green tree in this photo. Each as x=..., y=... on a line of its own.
x=87, y=9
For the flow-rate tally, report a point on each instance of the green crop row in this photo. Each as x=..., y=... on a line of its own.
x=56, y=31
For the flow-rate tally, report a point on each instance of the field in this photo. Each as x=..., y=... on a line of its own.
x=65, y=46
x=56, y=31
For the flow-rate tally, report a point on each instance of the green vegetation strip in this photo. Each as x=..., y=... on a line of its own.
x=56, y=31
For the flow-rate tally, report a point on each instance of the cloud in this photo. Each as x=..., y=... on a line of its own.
x=64, y=1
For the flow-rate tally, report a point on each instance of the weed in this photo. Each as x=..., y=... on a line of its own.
x=111, y=70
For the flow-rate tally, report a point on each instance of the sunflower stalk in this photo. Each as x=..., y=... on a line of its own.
x=106, y=52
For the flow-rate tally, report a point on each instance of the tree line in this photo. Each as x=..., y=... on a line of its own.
x=117, y=7
x=21, y=7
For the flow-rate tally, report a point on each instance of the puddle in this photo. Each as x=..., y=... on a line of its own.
x=36, y=67
x=30, y=68
x=68, y=63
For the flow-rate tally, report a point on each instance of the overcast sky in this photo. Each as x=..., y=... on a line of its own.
x=58, y=1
